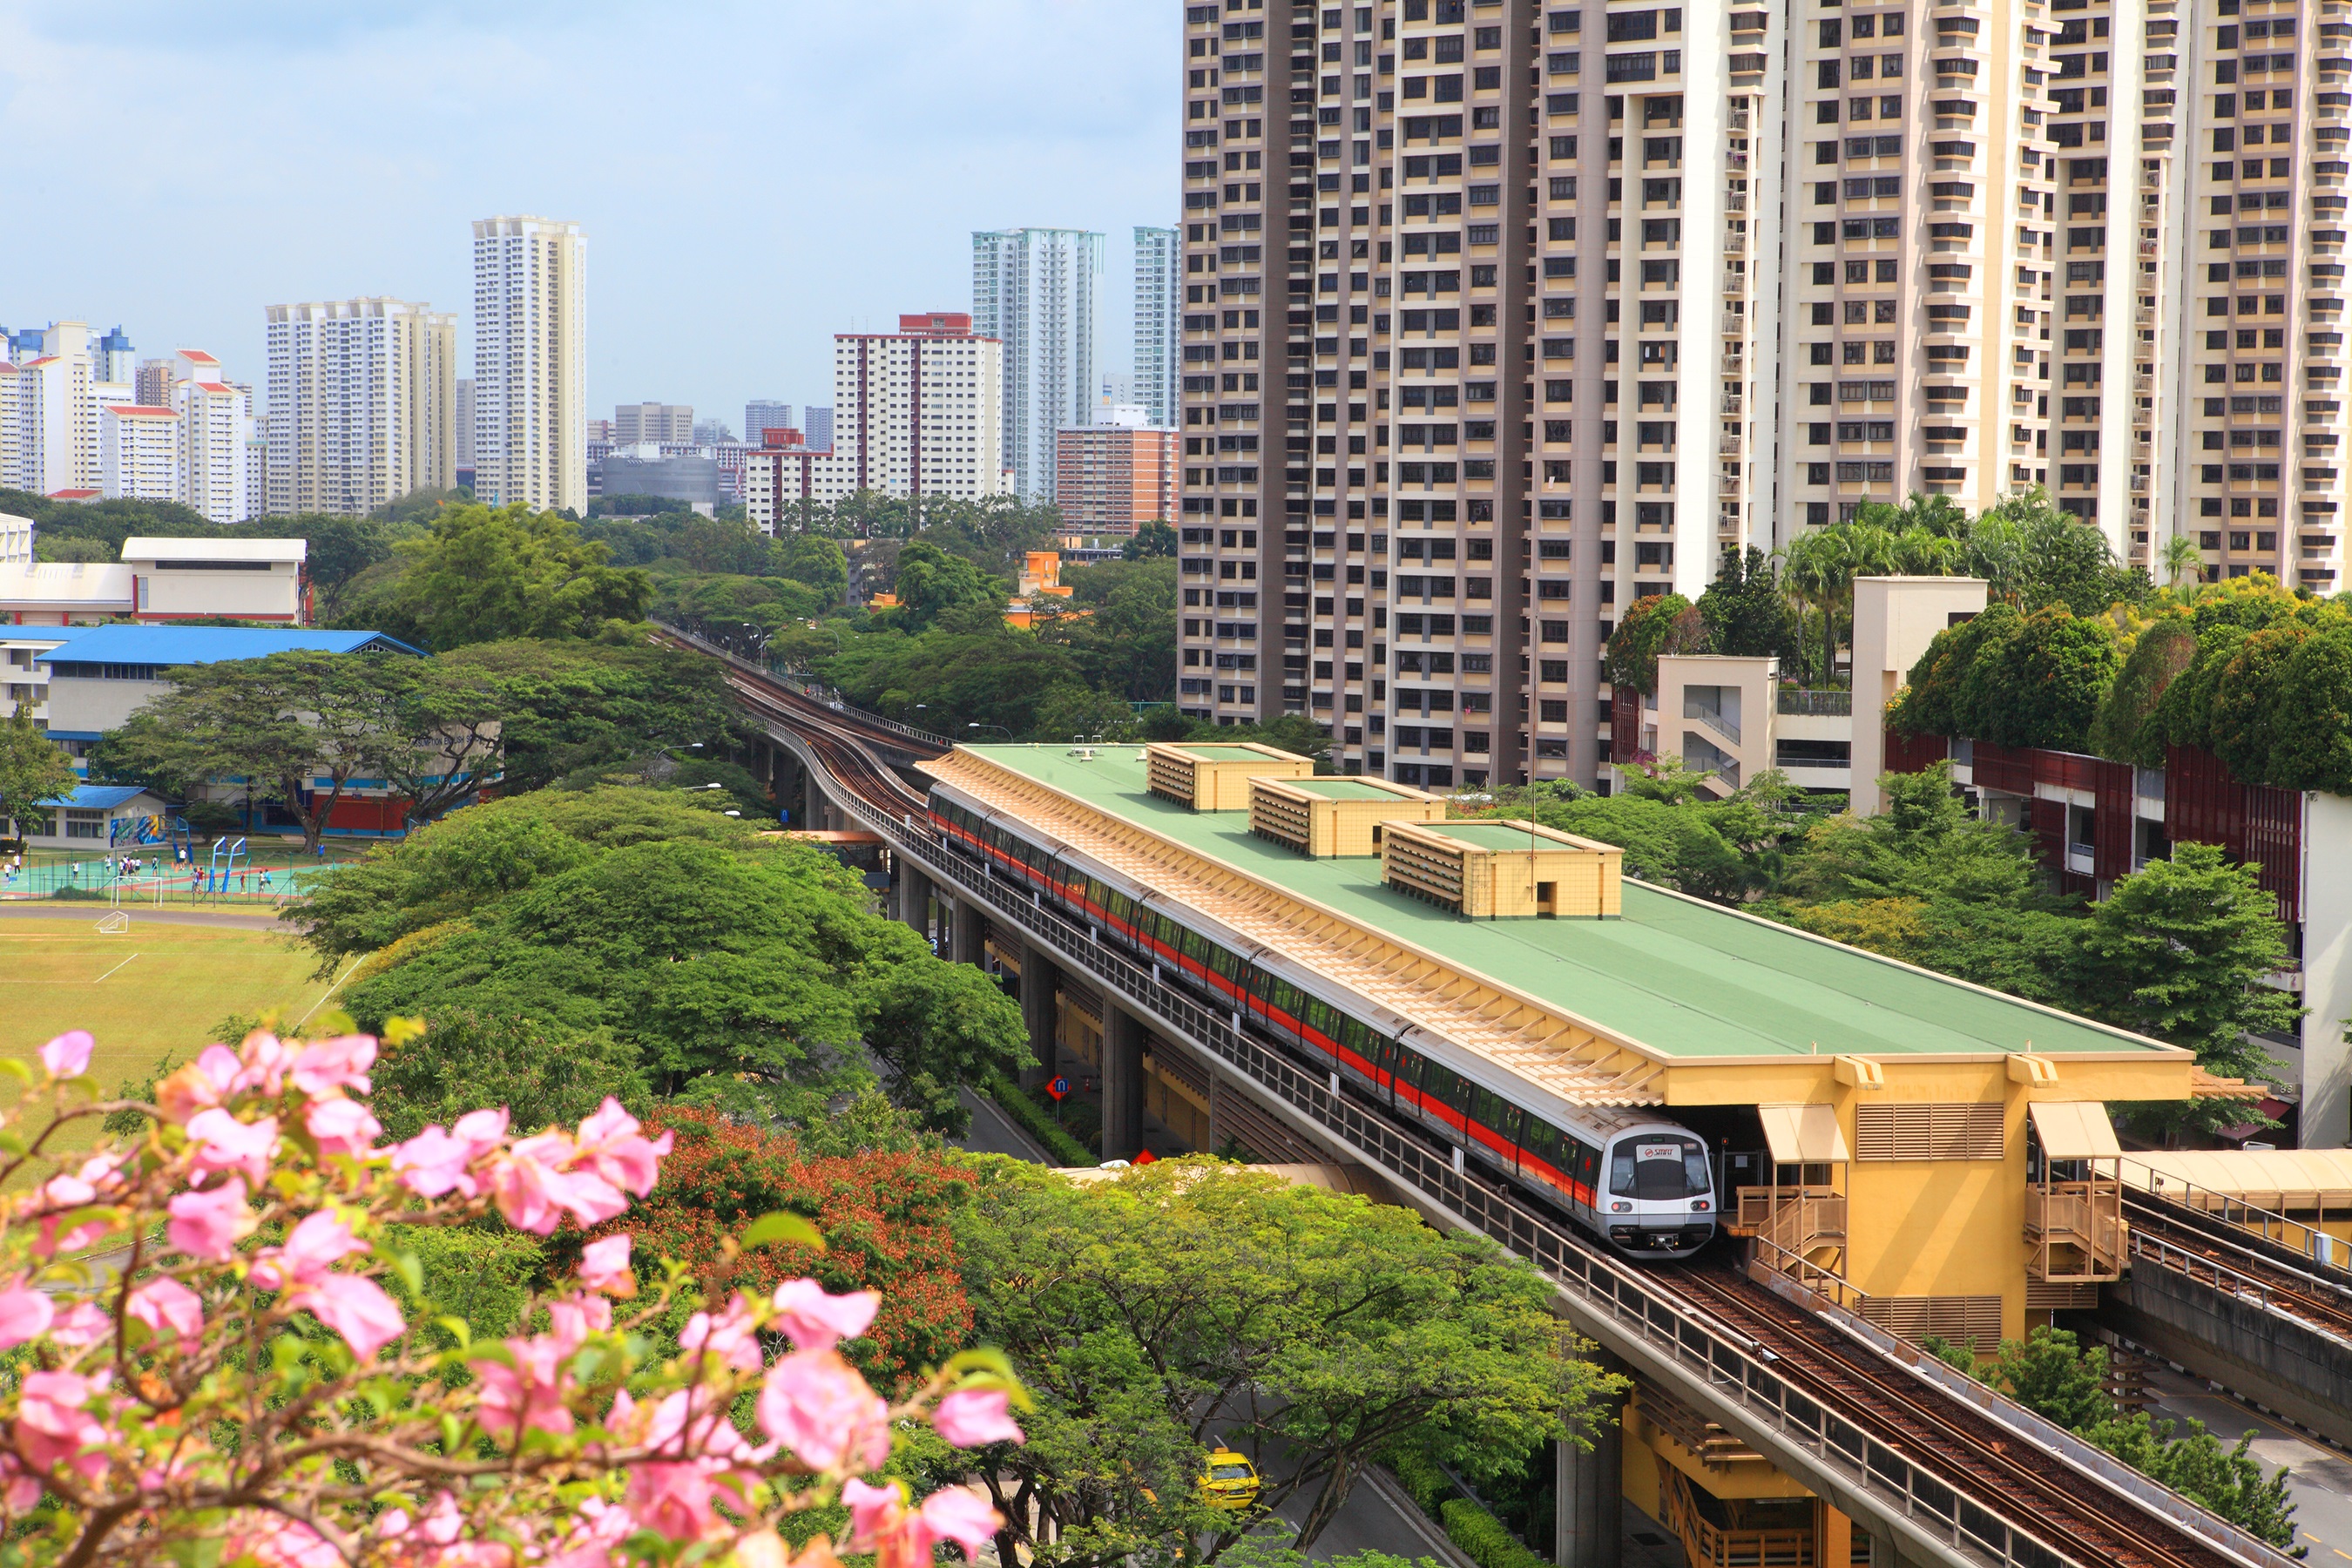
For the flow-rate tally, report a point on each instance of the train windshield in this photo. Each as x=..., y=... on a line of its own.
x=1655, y=1166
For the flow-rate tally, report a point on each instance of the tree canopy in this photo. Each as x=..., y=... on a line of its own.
x=1187, y=1298
x=484, y=573
x=33, y=768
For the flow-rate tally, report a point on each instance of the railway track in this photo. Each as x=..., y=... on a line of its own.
x=2172, y=1237
x=2085, y=1518
x=1916, y=1418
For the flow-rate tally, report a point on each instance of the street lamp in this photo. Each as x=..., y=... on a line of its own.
x=998, y=728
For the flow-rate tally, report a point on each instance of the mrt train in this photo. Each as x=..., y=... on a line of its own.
x=1642, y=1185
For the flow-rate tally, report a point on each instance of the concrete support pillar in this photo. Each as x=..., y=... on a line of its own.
x=914, y=895
x=1834, y=1538
x=965, y=934
x=1039, y=982
x=1589, y=1521
x=1123, y=1042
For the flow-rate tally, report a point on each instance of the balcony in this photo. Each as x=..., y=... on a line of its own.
x=1816, y=704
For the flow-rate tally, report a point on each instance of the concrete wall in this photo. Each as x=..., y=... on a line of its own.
x=1750, y=690
x=2279, y=1362
x=2326, y=969
x=1894, y=619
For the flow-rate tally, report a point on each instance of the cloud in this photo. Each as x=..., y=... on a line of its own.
x=752, y=177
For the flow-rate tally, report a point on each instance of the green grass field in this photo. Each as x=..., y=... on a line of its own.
x=155, y=987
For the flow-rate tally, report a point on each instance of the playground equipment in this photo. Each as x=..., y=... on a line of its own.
x=225, y=865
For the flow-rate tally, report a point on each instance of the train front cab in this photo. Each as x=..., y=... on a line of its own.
x=1658, y=1198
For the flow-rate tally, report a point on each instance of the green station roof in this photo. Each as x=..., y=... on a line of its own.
x=1682, y=976
x=1342, y=789
x=1497, y=837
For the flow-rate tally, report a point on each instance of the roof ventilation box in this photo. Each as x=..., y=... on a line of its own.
x=1504, y=870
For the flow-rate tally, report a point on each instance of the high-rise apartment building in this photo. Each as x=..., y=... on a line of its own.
x=362, y=403
x=919, y=414
x=1114, y=479
x=1033, y=290
x=52, y=397
x=816, y=428
x=215, y=437
x=114, y=360
x=531, y=329
x=465, y=402
x=637, y=422
x=760, y=415
x=1159, y=310
x=139, y=452
x=1498, y=316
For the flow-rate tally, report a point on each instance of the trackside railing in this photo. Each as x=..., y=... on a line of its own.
x=1641, y=1308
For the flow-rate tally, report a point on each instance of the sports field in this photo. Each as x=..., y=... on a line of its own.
x=151, y=988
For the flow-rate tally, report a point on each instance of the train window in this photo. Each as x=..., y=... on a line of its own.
x=1323, y=1018
x=1360, y=1041
x=1407, y=1065
x=1292, y=1002
x=1226, y=962
x=1446, y=1086
x=1116, y=904
x=1539, y=1140
x=1658, y=1166
x=1588, y=1166
x=1496, y=1114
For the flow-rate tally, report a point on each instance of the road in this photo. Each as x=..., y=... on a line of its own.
x=2319, y=1477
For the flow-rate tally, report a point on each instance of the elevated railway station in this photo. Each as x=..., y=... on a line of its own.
x=1825, y=1156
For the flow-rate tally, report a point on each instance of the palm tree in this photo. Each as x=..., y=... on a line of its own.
x=1816, y=568
x=2182, y=558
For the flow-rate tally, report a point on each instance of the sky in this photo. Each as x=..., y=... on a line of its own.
x=751, y=178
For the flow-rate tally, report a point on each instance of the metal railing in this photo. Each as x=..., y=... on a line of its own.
x=2209, y=1270
x=807, y=688
x=1642, y=1308
x=2307, y=1239
x=1821, y=704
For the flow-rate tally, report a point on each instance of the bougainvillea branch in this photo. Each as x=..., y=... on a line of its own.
x=207, y=1360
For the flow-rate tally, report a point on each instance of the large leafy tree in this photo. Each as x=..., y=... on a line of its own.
x=1746, y=611
x=1647, y=630
x=296, y=727
x=33, y=768
x=567, y=705
x=719, y=961
x=2179, y=950
x=484, y=573
x=1187, y=1303
x=932, y=583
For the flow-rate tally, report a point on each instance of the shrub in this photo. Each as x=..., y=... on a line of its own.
x=2047, y=681
x=1036, y=1120
x=1650, y=623
x=1483, y=1538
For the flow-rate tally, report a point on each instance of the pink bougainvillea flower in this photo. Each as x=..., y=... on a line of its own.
x=730, y=1337
x=262, y=1062
x=873, y=1511
x=343, y=1127
x=51, y=1425
x=81, y=1325
x=317, y=1245
x=225, y=1144
x=323, y=1067
x=25, y=1314
x=527, y=1393
x=67, y=1056
x=530, y=1182
x=573, y=1319
x=168, y=1306
x=961, y=1514
x=274, y=1540
x=437, y=1161
x=599, y=1527
x=604, y=1266
x=817, y=1321
x=356, y=1308
x=973, y=1416
x=201, y=1085
x=611, y=1145
x=673, y=1498
x=208, y=1224
x=814, y=1403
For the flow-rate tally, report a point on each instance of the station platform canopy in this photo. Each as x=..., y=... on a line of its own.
x=1680, y=981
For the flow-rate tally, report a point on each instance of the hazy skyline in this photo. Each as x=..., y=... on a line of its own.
x=752, y=179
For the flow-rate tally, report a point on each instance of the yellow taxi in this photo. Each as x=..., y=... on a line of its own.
x=1231, y=1481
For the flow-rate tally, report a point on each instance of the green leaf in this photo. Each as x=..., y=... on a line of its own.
x=458, y=1329
x=404, y=1264
x=15, y=1069
x=782, y=1227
